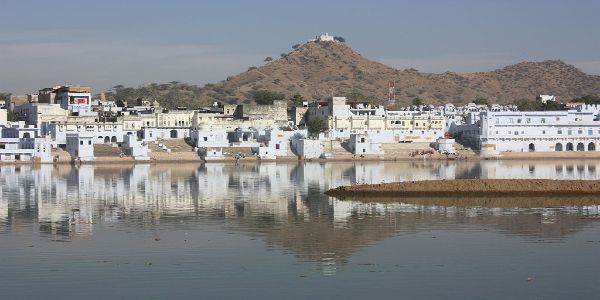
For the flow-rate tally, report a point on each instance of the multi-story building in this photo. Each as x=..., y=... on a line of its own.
x=539, y=131
x=344, y=119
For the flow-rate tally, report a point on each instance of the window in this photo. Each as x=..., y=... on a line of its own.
x=543, y=120
x=89, y=142
x=543, y=131
x=579, y=131
x=80, y=142
x=528, y=120
x=519, y=121
x=590, y=132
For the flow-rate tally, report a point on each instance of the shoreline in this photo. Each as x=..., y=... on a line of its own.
x=471, y=188
x=192, y=157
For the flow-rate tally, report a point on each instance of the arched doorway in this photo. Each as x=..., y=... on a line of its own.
x=531, y=147
x=173, y=134
x=113, y=139
x=558, y=147
x=580, y=147
x=591, y=147
x=569, y=146
x=106, y=139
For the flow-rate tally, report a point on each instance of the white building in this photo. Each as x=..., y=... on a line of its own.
x=325, y=38
x=135, y=147
x=543, y=131
x=208, y=137
x=383, y=126
x=211, y=153
x=308, y=149
x=3, y=116
x=102, y=133
x=25, y=149
x=80, y=146
x=545, y=98
x=361, y=144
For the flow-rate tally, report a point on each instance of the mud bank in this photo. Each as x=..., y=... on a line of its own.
x=472, y=188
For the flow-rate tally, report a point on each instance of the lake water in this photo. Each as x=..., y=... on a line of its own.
x=262, y=231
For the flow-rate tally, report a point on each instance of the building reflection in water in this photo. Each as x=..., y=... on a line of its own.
x=283, y=202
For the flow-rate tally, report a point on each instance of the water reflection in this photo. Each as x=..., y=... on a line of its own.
x=282, y=202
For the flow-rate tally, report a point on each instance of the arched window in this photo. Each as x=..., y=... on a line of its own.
x=580, y=147
x=558, y=147
x=531, y=147
x=113, y=139
x=591, y=147
x=569, y=146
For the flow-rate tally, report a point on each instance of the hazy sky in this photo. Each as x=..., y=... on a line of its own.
x=107, y=42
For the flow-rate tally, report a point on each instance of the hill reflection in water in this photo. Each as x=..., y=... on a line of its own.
x=281, y=202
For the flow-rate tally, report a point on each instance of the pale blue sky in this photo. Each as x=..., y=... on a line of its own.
x=104, y=43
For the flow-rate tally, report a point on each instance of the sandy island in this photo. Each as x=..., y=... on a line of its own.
x=472, y=188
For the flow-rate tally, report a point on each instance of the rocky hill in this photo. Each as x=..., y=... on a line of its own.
x=320, y=69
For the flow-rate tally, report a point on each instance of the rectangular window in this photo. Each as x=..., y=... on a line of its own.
x=543, y=120
x=559, y=131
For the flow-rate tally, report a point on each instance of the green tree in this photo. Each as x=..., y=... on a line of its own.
x=532, y=105
x=12, y=116
x=4, y=96
x=481, y=101
x=339, y=39
x=355, y=96
x=552, y=105
x=588, y=99
x=417, y=101
x=265, y=97
x=297, y=99
x=315, y=126
x=296, y=46
x=268, y=58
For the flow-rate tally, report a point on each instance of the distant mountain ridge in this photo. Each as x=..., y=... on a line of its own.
x=320, y=69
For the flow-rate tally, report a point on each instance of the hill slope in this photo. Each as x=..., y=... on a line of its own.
x=318, y=70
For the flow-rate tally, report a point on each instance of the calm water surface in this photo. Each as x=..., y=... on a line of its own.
x=267, y=231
